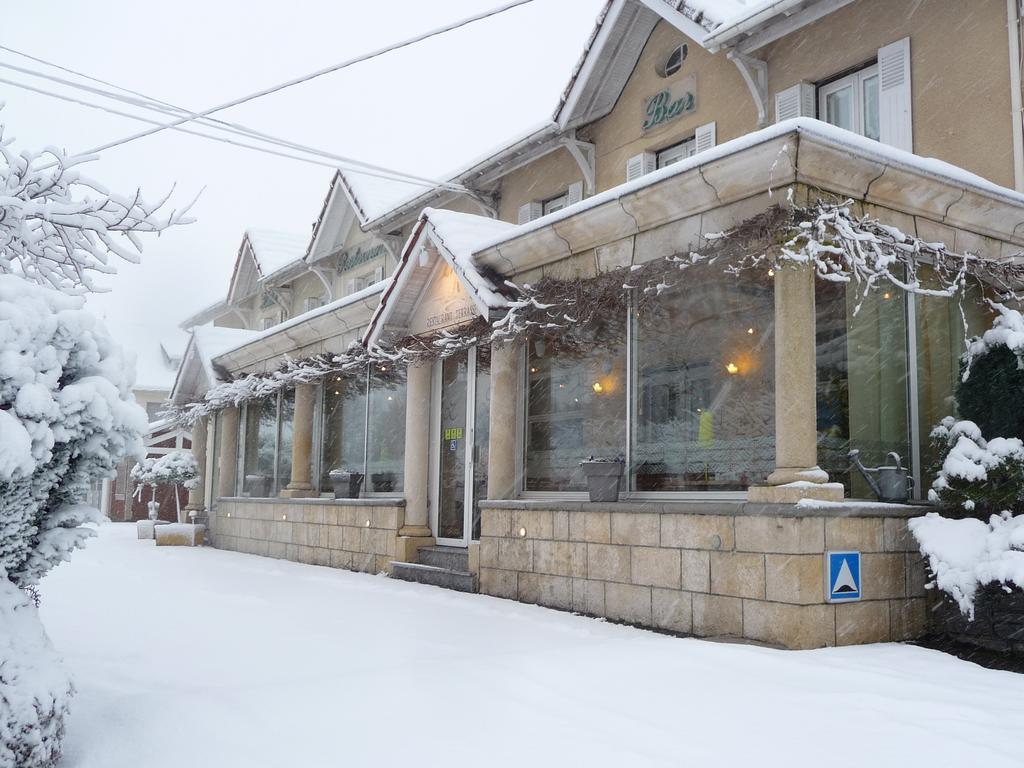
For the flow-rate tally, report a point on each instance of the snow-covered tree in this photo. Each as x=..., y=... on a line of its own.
x=174, y=468
x=60, y=228
x=67, y=415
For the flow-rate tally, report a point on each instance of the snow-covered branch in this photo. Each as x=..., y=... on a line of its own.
x=60, y=229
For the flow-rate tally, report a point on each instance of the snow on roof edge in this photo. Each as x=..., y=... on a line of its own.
x=801, y=125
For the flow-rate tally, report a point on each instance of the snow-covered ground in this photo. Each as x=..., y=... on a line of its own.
x=196, y=657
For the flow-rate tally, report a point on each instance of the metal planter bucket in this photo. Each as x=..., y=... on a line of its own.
x=603, y=479
x=346, y=484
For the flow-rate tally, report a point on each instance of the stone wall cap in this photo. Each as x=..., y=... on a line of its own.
x=718, y=507
x=373, y=501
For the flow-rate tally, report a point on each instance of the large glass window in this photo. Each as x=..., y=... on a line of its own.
x=863, y=386
x=851, y=102
x=216, y=422
x=343, y=426
x=704, y=387
x=260, y=447
x=576, y=406
x=385, y=443
x=286, y=429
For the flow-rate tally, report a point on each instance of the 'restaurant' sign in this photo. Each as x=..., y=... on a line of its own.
x=678, y=99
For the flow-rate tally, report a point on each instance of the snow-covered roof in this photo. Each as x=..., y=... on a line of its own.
x=376, y=199
x=454, y=236
x=196, y=372
x=155, y=367
x=850, y=144
x=274, y=250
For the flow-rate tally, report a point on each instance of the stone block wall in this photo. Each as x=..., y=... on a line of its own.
x=710, y=569
x=355, y=534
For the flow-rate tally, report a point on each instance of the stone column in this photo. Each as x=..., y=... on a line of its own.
x=228, y=458
x=796, y=436
x=302, y=443
x=197, y=495
x=417, y=452
x=501, y=451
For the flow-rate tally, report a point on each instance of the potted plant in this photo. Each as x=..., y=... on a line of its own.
x=383, y=482
x=346, y=483
x=604, y=476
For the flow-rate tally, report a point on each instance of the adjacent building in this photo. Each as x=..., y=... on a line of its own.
x=733, y=399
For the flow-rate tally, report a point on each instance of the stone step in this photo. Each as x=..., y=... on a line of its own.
x=452, y=558
x=461, y=581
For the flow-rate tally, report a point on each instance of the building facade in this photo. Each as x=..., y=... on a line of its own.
x=732, y=397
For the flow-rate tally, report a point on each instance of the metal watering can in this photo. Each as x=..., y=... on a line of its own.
x=889, y=483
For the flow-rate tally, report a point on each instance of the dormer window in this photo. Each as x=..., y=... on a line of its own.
x=556, y=203
x=674, y=62
x=851, y=102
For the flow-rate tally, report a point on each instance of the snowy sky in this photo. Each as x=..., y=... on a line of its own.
x=427, y=109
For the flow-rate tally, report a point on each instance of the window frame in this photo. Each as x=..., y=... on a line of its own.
x=852, y=79
x=685, y=149
x=554, y=204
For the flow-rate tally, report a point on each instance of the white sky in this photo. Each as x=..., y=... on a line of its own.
x=426, y=110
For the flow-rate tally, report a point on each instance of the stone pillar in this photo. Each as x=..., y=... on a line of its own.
x=228, y=458
x=796, y=436
x=501, y=451
x=302, y=443
x=417, y=452
x=197, y=495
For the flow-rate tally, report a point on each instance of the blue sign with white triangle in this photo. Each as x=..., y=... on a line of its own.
x=842, y=576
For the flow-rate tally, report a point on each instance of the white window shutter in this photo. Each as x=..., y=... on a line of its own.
x=704, y=138
x=574, y=194
x=378, y=274
x=796, y=101
x=894, y=112
x=641, y=165
x=530, y=211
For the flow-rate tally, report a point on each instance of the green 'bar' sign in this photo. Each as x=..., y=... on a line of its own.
x=671, y=103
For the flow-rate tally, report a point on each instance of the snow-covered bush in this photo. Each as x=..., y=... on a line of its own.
x=977, y=477
x=965, y=555
x=34, y=688
x=990, y=388
x=177, y=468
x=68, y=418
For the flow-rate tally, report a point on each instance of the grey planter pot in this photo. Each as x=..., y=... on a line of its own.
x=603, y=479
x=257, y=486
x=346, y=484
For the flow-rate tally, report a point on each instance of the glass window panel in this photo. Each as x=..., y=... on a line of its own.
x=451, y=504
x=344, y=427
x=871, y=119
x=940, y=343
x=217, y=422
x=385, y=460
x=555, y=204
x=839, y=108
x=260, y=441
x=674, y=154
x=284, y=451
x=576, y=403
x=481, y=437
x=863, y=399
x=704, y=392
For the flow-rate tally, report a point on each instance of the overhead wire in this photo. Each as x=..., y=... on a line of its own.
x=148, y=102
x=313, y=75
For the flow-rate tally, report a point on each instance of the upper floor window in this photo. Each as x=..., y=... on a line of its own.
x=677, y=152
x=555, y=203
x=269, y=322
x=851, y=102
x=674, y=62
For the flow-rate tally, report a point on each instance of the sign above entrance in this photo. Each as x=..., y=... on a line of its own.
x=678, y=99
x=842, y=576
x=444, y=303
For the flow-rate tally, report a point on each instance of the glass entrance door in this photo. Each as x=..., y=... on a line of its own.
x=463, y=409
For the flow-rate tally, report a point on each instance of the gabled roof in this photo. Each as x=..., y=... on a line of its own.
x=263, y=255
x=196, y=373
x=440, y=235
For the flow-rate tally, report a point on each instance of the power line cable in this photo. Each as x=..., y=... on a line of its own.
x=313, y=75
x=153, y=104
x=192, y=132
